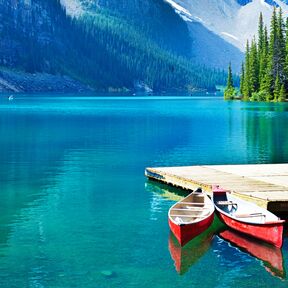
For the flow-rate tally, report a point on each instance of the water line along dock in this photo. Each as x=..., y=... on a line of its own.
x=263, y=184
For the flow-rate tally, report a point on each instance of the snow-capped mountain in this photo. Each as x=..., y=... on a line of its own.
x=234, y=20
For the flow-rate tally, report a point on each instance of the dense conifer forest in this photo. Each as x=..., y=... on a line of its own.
x=99, y=49
x=264, y=74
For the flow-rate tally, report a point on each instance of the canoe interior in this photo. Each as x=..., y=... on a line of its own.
x=241, y=210
x=195, y=207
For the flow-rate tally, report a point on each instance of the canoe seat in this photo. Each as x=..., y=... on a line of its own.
x=179, y=220
x=187, y=218
x=226, y=203
x=193, y=203
x=248, y=215
x=189, y=208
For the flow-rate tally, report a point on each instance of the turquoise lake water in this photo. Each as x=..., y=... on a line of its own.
x=77, y=211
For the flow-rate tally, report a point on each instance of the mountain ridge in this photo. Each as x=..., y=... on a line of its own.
x=233, y=20
x=101, y=49
x=213, y=52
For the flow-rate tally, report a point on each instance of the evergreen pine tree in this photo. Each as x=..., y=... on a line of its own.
x=262, y=55
x=253, y=68
x=277, y=88
x=271, y=68
x=273, y=44
x=267, y=83
x=280, y=52
x=265, y=69
x=229, y=92
x=242, y=79
x=286, y=57
x=282, y=96
x=262, y=49
x=246, y=81
x=261, y=34
x=264, y=75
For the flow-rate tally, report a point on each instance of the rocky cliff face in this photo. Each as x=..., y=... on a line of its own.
x=27, y=26
x=29, y=36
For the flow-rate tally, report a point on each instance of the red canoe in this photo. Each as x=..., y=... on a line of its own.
x=248, y=218
x=187, y=256
x=271, y=256
x=191, y=216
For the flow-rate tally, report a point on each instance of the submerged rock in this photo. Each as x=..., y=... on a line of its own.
x=108, y=273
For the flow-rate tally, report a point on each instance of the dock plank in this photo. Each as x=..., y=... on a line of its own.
x=264, y=184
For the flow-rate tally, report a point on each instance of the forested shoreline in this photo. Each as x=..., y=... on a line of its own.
x=264, y=73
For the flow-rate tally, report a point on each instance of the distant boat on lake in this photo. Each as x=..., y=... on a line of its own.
x=11, y=97
x=270, y=255
x=191, y=216
x=248, y=218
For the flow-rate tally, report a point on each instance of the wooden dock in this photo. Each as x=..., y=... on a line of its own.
x=265, y=184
